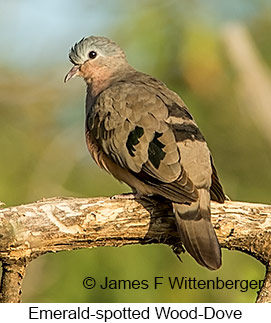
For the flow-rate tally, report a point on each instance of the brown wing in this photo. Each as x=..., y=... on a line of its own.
x=216, y=191
x=148, y=133
x=129, y=123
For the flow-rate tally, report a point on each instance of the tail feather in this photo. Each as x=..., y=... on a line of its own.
x=196, y=231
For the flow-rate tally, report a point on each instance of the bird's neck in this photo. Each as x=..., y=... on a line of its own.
x=103, y=78
x=98, y=82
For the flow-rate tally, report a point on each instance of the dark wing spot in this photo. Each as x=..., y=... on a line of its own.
x=180, y=112
x=187, y=131
x=132, y=139
x=155, y=151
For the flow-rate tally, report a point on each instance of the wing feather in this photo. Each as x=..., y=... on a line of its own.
x=132, y=130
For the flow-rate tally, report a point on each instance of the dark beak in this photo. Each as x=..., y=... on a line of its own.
x=72, y=73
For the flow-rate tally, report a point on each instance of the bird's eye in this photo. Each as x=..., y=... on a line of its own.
x=92, y=54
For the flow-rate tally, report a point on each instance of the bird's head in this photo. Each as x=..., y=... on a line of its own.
x=95, y=59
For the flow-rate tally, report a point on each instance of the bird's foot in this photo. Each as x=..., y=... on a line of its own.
x=124, y=196
x=131, y=196
x=178, y=249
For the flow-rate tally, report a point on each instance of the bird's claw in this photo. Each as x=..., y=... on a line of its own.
x=124, y=196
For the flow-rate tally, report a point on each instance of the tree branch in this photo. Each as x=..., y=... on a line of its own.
x=57, y=224
x=11, y=282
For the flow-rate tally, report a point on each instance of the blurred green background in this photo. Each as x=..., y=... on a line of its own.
x=215, y=54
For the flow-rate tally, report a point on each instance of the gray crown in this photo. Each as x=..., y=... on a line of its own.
x=102, y=45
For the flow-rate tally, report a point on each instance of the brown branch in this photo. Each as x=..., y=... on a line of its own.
x=11, y=282
x=264, y=296
x=57, y=224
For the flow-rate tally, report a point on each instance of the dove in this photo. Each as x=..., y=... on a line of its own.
x=143, y=134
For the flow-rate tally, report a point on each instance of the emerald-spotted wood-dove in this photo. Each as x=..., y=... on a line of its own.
x=143, y=134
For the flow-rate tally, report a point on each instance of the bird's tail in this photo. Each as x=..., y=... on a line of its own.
x=196, y=231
